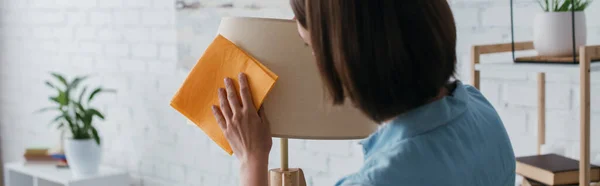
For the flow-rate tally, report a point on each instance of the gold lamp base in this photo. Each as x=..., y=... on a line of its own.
x=290, y=177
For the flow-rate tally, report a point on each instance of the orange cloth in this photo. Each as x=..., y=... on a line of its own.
x=199, y=91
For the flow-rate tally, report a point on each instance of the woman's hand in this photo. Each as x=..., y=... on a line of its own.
x=247, y=133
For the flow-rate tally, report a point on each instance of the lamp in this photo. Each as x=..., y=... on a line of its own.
x=297, y=106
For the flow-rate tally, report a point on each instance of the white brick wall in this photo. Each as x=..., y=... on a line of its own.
x=130, y=45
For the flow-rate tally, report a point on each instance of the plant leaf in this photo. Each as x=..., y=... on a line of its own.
x=56, y=119
x=81, y=134
x=583, y=5
x=95, y=135
x=76, y=82
x=93, y=112
x=87, y=119
x=78, y=116
x=73, y=85
x=99, y=90
x=46, y=109
x=82, y=93
x=541, y=5
x=55, y=99
x=73, y=127
x=50, y=85
x=79, y=106
x=63, y=98
x=60, y=78
x=96, y=91
x=565, y=6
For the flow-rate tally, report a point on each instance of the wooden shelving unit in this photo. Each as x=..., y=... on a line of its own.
x=584, y=68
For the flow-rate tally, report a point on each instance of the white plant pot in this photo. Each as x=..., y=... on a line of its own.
x=553, y=33
x=83, y=157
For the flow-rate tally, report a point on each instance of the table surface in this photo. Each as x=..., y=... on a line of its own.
x=59, y=175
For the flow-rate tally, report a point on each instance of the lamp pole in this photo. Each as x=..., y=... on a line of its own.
x=286, y=176
x=284, y=154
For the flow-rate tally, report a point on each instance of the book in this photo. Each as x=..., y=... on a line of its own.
x=553, y=169
x=40, y=158
x=36, y=151
x=530, y=182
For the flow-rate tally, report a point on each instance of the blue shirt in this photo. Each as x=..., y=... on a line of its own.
x=458, y=140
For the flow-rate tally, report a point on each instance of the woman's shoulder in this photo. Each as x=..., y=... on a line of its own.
x=430, y=161
x=444, y=143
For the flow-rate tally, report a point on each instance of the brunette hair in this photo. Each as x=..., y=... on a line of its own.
x=387, y=56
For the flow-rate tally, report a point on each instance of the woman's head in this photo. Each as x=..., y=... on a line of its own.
x=387, y=56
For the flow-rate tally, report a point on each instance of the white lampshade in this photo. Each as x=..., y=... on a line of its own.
x=298, y=105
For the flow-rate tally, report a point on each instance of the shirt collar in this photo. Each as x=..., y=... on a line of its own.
x=421, y=119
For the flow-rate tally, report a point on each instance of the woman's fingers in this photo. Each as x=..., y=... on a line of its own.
x=245, y=92
x=219, y=116
x=263, y=117
x=224, y=104
x=232, y=97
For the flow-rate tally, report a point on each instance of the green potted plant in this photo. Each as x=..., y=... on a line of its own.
x=75, y=114
x=553, y=30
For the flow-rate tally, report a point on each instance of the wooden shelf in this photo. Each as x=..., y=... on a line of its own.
x=545, y=59
x=534, y=67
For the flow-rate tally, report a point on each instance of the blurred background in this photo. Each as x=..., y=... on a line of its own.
x=144, y=49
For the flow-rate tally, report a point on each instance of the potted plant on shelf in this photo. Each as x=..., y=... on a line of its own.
x=82, y=147
x=553, y=28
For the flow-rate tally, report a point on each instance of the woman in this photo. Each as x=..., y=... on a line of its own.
x=395, y=60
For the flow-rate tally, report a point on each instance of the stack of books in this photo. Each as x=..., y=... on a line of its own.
x=552, y=169
x=43, y=156
x=38, y=155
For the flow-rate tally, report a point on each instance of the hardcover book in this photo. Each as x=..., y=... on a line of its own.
x=553, y=169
